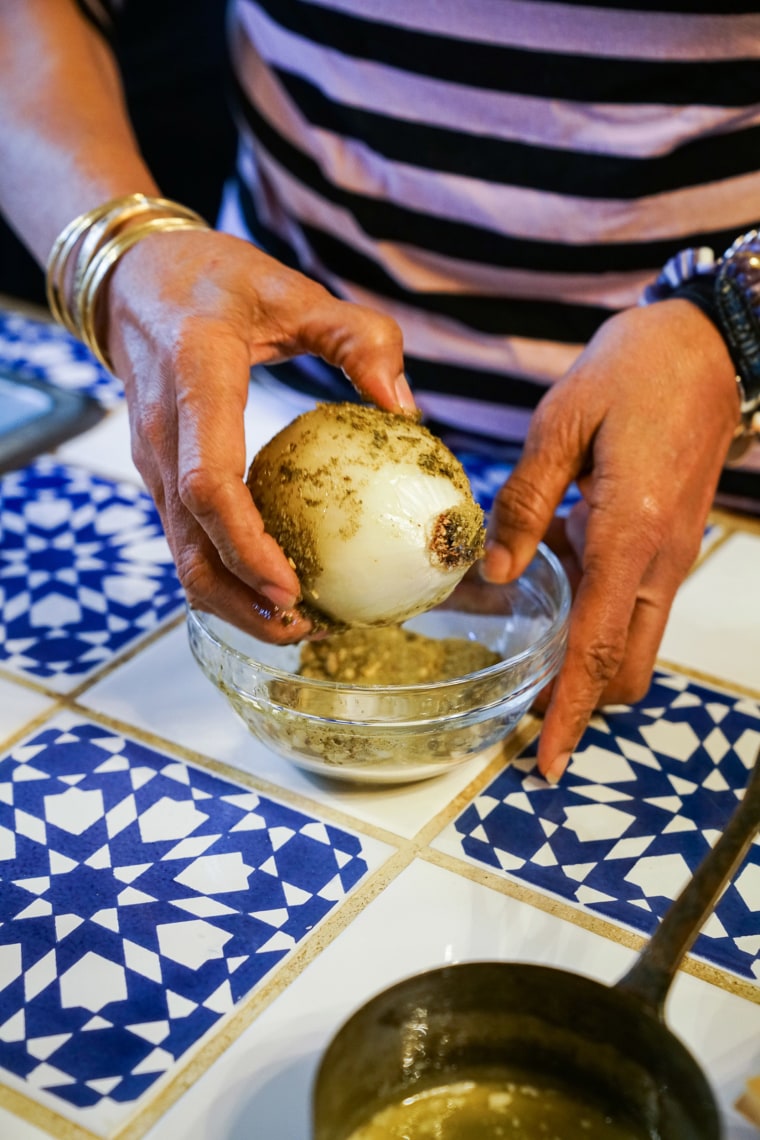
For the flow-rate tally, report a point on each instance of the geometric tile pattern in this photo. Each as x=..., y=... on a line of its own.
x=140, y=900
x=648, y=791
x=46, y=351
x=84, y=570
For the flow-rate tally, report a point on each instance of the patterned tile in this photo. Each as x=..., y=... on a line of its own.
x=84, y=571
x=648, y=790
x=47, y=352
x=140, y=900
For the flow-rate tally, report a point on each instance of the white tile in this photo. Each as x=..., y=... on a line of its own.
x=105, y=448
x=162, y=690
x=714, y=626
x=426, y=918
x=713, y=531
x=14, y=1128
x=17, y=706
x=271, y=405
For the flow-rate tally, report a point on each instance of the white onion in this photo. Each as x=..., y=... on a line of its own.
x=374, y=512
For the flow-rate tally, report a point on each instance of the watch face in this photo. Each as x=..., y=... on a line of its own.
x=737, y=300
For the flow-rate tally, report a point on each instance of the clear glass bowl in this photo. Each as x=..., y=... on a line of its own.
x=395, y=734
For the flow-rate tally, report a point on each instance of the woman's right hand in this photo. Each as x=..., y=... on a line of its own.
x=187, y=314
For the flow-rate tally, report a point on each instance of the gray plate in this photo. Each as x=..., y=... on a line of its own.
x=36, y=416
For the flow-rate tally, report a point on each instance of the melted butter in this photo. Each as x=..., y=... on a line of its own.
x=494, y=1110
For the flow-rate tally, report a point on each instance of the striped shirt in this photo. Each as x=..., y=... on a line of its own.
x=498, y=175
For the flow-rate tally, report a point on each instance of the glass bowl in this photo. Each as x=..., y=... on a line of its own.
x=386, y=734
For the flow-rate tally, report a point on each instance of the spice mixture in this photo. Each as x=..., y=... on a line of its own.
x=391, y=655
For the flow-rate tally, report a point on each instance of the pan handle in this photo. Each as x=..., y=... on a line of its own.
x=652, y=973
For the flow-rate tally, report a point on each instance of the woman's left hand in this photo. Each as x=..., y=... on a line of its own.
x=642, y=422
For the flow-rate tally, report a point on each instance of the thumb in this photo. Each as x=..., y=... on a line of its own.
x=366, y=345
x=523, y=511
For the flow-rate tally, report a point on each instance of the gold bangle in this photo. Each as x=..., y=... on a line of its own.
x=114, y=220
x=104, y=261
x=60, y=253
x=116, y=210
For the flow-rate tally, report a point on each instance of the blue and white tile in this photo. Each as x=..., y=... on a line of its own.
x=85, y=572
x=48, y=352
x=142, y=899
x=714, y=625
x=648, y=791
x=163, y=691
x=395, y=936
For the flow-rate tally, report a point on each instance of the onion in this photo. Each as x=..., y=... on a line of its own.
x=375, y=514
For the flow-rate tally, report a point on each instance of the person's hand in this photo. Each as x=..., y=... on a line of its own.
x=642, y=422
x=188, y=314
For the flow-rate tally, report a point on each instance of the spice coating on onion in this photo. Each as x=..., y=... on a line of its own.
x=374, y=512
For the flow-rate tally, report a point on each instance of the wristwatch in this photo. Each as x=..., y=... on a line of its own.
x=727, y=289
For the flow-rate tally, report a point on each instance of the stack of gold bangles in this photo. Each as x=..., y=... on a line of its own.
x=100, y=237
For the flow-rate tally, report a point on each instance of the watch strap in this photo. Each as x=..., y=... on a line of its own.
x=701, y=292
x=727, y=290
x=737, y=296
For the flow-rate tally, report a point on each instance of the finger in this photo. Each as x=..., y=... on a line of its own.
x=207, y=583
x=541, y=702
x=524, y=507
x=650, y=616
x=368, y=346
x=597, y=638
x=557, y=540
x=211, y=587
x=632, y=680
x=211, y=464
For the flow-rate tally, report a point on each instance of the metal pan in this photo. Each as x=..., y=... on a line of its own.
x=609, y=1044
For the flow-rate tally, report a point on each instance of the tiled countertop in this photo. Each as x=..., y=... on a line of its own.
x=185, y=918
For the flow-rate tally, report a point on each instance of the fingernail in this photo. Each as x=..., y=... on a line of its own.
x=282, y=598
x=288, y=617
x=403, y=393
x=496, y=564
x=556, y=768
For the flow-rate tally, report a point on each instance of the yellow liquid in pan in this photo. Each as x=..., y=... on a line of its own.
x=494, y=1110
